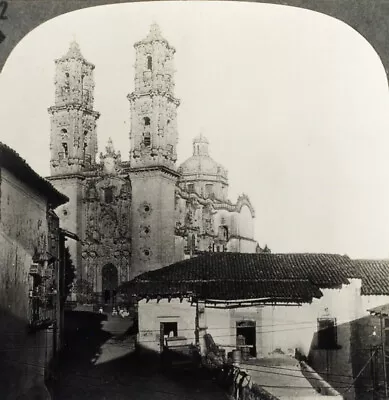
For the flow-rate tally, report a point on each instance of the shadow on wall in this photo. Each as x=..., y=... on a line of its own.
x=351, y=357
x=23, y=357
x=138, y=372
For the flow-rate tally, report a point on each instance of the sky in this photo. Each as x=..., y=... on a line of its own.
x=294, y=104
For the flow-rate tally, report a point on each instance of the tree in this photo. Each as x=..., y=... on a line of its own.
x=84, y=291
x=70, y=274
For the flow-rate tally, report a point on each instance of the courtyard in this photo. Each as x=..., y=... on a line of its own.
x=99, y=362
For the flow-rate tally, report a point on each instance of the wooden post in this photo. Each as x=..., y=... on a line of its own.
x=383, y=357
x=372, y=371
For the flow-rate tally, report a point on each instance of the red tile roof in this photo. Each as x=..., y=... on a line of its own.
x=229, y=276
x=374, y=275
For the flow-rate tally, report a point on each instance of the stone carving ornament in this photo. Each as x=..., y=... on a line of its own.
x=108, y=223
x=145, y=209
x=144, y=231
x=145, y=253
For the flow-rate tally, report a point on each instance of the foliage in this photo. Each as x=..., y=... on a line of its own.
x=70, y=274
x=84, y=291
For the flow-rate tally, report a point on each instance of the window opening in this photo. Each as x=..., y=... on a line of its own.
x=65, y=148
x=147, y=139
x=149, y=63
x=108, y=195
x=327, y=333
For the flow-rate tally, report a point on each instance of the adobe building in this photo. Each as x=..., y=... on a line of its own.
x=31, y=278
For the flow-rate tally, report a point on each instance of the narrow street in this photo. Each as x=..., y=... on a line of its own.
x=99, y=362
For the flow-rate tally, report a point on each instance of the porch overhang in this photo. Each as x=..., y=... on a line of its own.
x=241, y=303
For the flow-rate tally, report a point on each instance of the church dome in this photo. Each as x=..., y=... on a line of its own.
x=201, y=163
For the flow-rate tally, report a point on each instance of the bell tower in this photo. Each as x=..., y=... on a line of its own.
x=73, y=140
x=153, y=139
x=153, y=135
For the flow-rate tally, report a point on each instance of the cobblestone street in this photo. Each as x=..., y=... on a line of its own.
x=99, y=363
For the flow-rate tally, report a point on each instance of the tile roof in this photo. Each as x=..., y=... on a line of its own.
x=11, y=161
x=374, y=275
x=229, y=276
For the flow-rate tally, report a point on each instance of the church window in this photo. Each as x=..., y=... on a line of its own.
x=146, y=121
x=190, y=187
x=223, y=233
x=65, y=148
x=108, y=195
x=64, y=132
x=147, y=139
x=209, y=189
x=149, y=63
x=67, y=75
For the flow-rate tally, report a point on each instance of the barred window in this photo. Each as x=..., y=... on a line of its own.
x=147, y=139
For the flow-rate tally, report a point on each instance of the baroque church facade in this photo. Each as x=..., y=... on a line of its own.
x=142, y=214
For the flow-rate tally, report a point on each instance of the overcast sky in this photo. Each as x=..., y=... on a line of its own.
x=294, y=103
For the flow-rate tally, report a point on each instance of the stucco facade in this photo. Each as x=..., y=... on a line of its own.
x=30, y=276
x=282, y=329
x=142, y=214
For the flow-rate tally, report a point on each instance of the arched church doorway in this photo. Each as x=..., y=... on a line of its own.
x=109, y=283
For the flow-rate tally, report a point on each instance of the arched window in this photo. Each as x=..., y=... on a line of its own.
x=65, y=148
x=146, y=121
x=147, y=139
x=149, y=63
x=108, y=195
x=223, y=233
x=64, y=132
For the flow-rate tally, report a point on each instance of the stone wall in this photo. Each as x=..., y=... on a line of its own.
x=152, y=208
x=23, y=236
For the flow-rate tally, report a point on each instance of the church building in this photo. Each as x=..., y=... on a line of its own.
x=146, y=213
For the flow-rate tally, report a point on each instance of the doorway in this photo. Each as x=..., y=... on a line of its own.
x=246, y=336
x=167, y=329
x=109, y=284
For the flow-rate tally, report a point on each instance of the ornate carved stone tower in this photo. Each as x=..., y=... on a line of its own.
x=153, y=133
x=73, y=141
x=153, y=139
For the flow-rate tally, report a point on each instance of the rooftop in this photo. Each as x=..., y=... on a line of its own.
x=233, y=276
x=11, y=161
x=374, y=275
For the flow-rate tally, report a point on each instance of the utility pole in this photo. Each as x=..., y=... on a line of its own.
x=372, y=371
x=383, y=357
